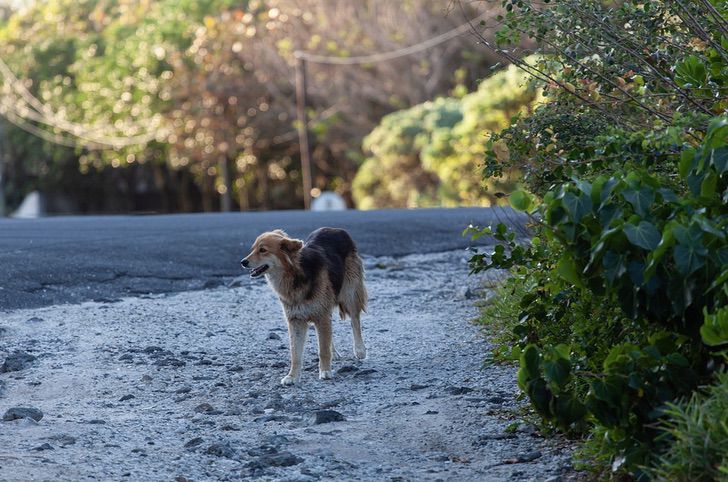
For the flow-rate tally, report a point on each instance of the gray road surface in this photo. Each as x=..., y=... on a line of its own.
x=73, y=259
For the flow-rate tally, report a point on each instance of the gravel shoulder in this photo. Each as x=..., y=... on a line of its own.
x=186, y=387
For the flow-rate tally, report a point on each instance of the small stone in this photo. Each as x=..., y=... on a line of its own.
x=63, y=439
x=194, y=442
x=326, y=416
x=221, y=450
x=153, y=349
x=34, y=319
x=417, y=386
x=459, y=390
x=185, y=389
x=365, y=373
x=274, y=336
x=126, y=357
x=45, y=446
x=283, y=459
x=204, y=408
x=16, y=361
x=96, y=421
x=431, y=412
x=347, y=369
x=170, y=362
x=16, y=413
x=126, y=397
x=529, y=456
x=146, y=378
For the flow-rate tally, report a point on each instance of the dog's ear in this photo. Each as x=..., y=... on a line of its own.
x=291, y=245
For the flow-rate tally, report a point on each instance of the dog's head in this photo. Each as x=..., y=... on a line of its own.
x=272, y=252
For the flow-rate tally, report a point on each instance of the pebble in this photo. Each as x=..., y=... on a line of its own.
x=283, y=459
x=204, y=408
x=16, y=361
x=16, y=413
x=529, y=456
x=45, y=446
x=274, y=336
x=326, y=416
x=221, y=450
x=194, y=442
x=458, y=390
x=63, y=439
x=126, y=397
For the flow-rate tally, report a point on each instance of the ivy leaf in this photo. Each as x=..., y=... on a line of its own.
x=577, y=206
x=645, y=235
x=719, y=157
x=641, y=199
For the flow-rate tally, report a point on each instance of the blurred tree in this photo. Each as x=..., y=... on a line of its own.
x=211, y=83
x=431, y=153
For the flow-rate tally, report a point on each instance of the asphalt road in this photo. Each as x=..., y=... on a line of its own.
x=74, y=259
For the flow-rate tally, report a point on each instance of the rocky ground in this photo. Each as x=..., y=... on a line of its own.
x=186, y=387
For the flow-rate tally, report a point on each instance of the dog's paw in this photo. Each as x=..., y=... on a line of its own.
x=326, y=374
x=289, y=380
x=360, y=352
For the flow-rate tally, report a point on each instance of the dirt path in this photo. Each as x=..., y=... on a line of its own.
x=186, y=387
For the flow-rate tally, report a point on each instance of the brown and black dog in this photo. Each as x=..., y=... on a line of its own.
x=311, y=279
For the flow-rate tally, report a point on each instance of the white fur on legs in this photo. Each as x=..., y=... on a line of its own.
x=297, y=333
x=360, y=350
x=326, y=374
x=290, y=380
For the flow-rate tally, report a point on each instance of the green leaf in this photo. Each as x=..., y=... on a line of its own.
x=719, y=159
x=691, y=72
x=568, y=271
x=687, y=259
x=645, y=235
x=687, y=159
x=641, y=199
x=577, y=206
x=714, y=331
x=520, y=200
x=707, y=187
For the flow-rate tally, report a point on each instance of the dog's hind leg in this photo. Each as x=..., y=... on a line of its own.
x=297, y=333
x=325, y=344
x=360, y=351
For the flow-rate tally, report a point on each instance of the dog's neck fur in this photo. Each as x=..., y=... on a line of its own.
x=287, y=281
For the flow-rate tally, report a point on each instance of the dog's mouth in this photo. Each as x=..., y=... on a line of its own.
x=255, y=272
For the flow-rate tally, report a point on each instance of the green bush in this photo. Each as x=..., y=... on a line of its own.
x=623, y=290
x=430, y=154
x=699, y=433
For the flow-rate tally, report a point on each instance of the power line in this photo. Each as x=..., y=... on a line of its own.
x=393, y=54
x=30, y=108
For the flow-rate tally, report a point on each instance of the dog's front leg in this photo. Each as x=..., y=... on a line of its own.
x=297, y=331
x=325, y=342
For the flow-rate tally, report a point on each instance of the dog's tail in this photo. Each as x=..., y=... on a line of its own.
x=354, y=295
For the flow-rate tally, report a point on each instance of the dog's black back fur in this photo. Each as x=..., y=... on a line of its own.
x=326, y=248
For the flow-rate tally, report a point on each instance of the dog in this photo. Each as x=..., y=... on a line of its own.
x=311, y=279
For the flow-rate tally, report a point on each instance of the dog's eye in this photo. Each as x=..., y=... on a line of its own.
x=262, y=250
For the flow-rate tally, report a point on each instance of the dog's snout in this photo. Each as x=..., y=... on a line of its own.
x=244, y=263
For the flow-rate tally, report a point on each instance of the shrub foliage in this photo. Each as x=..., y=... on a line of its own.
x=623, y=289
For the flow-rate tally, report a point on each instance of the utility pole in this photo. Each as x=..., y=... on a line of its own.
x=303, y=143
x=226, y=197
